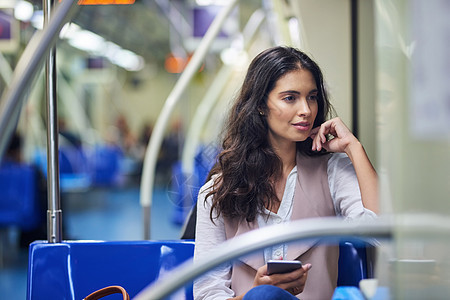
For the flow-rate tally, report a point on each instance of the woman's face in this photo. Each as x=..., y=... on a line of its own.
x=292, y=108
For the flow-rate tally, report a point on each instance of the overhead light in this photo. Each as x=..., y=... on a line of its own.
x=87, y=41
x=23, y=11
x=92, y=43
x=234, y=57
x=294, y=29
x=128, y=60
x=69, y=30
x=37, y=20
x=104, y=2
x=211, y=2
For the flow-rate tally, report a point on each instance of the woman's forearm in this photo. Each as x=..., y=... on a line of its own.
x=366, y=174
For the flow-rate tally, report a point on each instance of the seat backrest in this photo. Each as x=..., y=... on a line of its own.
x=355, y=263
x=73, y=270
x=105, y=165
x=18, y=196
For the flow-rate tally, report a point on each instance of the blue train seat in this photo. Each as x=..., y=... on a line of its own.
x=73, y=167
x=72, y=270
x=18, y=196
x=356, y=262
x=105, y=165
x=347, y=293
x=82, y=168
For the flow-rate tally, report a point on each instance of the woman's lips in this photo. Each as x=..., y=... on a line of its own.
x=301, y=126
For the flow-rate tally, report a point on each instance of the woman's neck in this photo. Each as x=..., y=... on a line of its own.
x=287, y=156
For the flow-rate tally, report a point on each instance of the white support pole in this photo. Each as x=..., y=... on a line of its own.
x=212, y=95
x=148, y=172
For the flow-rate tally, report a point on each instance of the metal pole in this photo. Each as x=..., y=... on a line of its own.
x=54, y=213
x=355, y=59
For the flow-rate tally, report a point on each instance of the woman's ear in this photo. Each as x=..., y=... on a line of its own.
x=261, y=111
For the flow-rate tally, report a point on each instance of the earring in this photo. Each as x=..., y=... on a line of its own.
x=261, y=113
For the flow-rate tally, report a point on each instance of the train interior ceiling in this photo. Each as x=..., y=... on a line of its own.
x=119, y=66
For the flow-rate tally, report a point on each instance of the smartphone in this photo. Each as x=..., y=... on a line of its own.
x=282, y=266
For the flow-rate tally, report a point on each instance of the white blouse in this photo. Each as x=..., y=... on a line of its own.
x=346, y=197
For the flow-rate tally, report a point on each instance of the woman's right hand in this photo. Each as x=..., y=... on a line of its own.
x=293, y=282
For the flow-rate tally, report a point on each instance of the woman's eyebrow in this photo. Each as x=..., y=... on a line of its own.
x=289, y=92
x=297, y=92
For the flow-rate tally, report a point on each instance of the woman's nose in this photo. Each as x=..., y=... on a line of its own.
x=303, y=108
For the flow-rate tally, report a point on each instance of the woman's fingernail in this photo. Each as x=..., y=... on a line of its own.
x=308, y=266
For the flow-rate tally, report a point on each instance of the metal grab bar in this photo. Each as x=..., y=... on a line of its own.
x=28, y=66
x=262, y=238
x=212, y=96
x=154, y=145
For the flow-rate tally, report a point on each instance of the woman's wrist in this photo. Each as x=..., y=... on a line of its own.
x=353, y=149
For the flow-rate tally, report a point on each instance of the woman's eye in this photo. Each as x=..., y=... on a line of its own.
x=312, y=97
x=288, y=98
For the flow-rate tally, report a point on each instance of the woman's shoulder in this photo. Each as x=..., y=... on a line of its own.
x=339, y=167
x=338, y=159
x=209, y=184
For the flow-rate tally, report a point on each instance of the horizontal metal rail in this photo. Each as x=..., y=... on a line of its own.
x=258, y=239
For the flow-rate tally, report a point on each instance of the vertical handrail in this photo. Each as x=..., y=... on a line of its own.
x=27, y=68
x=54, y=213
x=212, y=95
x=148, y=172
x=281, y=22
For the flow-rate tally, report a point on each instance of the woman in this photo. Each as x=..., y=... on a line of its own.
x=277, y=165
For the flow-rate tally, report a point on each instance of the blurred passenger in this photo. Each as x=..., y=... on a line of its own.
x=69, y=137
x=14, y=150
x=145, y=135
x=144, y=138
x=125, y=137
x=170, y=152
x=279, y=164
x=141, y=147
x=122, y=138
x=38, y=231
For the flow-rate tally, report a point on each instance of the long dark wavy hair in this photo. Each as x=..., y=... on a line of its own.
x=247, y=163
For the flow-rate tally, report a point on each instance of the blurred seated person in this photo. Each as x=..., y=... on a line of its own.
x=69, y=137
x=13, y=156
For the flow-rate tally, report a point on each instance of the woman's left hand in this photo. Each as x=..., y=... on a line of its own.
x=343, y=137
x=293, y=282
x=345, y=141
